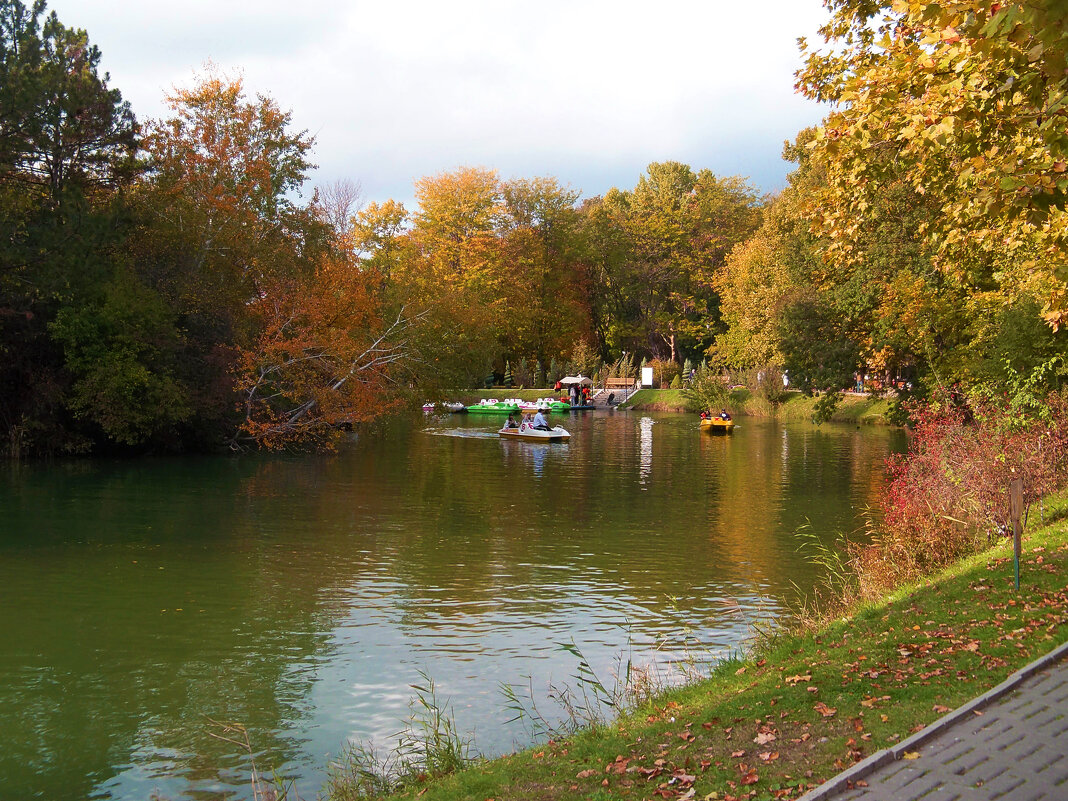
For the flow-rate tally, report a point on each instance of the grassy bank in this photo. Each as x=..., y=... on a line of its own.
x=807, y=705
x=858, y=409
x=656, y=400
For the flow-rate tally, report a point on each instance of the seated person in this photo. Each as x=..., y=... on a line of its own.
x=540, y=422
x=724, y=415
x=513, y=421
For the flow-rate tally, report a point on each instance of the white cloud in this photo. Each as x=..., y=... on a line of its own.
x=589, y=91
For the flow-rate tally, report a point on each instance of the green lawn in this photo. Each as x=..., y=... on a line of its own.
x=853, y=409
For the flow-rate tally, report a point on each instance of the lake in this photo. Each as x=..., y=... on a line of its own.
x=300, y=596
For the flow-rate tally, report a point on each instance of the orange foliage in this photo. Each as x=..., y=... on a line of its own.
x=322, y=361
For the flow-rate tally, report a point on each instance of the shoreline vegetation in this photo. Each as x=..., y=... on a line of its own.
x=805, y=702
x=795, y=407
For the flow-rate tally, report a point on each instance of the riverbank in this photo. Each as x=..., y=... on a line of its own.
x=806, y=705
x=859, y=409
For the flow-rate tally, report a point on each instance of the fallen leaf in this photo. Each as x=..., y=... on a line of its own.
x=941, y=710
x=911, y=755
x=769, y=756
x=796, y=679
x=763, y=738
x=826, y=711
x=737, y=754
x=585, y=774
x=750, y=778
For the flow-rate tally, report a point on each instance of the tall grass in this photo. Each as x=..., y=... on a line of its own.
x=429, y=746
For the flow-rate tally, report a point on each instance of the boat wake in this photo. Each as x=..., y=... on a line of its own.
x=460, y=432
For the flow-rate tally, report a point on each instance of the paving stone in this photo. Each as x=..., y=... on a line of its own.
x=943, y=792
x=1017, y=750
x=1000, y=787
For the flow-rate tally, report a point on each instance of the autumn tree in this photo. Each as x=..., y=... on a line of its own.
x=323, y=360
x=221, y=200
x=379, y=236
x=545, y=283
x=964, y=102
x=448, y=340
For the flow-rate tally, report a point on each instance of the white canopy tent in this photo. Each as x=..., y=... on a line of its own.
x=581, y=380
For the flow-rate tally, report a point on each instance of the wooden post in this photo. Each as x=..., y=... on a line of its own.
x=1015, y=516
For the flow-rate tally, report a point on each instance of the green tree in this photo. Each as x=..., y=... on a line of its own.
x=121, y=352
x=67, y=145
x=659, y=247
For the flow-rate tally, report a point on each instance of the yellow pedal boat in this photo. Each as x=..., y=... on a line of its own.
x=717, y=425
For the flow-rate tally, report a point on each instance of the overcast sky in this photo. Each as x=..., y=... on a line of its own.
x=587, y=91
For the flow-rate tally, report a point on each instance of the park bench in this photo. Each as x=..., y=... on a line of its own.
x=619, y=383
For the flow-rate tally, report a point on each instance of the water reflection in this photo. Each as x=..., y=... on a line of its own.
x=301, y=596
x=645, y=460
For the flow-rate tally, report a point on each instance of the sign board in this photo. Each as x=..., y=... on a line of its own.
x=647, y=376
x=1016, y=511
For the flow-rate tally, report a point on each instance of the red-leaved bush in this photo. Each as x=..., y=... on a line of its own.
x=949, y=495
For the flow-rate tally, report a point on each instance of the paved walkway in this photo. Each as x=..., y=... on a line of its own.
x=1016, y=750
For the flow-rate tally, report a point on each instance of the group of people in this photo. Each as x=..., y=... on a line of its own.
x=723, y=415
x=577, y=396
x=539, y=422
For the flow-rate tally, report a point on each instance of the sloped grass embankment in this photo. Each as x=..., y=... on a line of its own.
x=859, y=409
x=806, y=705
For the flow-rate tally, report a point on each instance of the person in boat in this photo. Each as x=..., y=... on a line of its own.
x=513, y=420
x=724, y=414
x=540, y=423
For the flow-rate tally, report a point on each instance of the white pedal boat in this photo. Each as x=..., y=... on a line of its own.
x=527, y=433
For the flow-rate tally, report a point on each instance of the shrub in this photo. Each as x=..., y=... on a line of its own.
x=825, y=406
x=949, y=495
x=766, y=383
x=664, y=370
x=676, y=382
x=707, y=391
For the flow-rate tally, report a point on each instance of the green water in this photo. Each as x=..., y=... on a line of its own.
x=300, y=596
